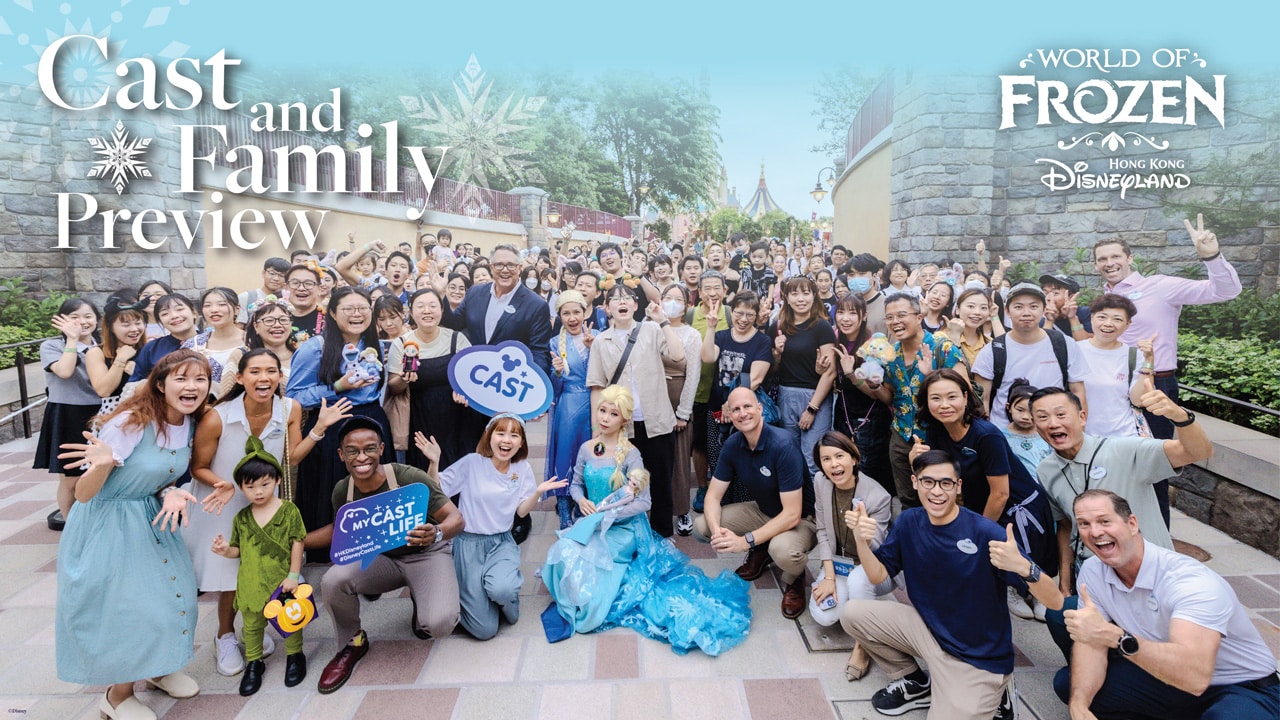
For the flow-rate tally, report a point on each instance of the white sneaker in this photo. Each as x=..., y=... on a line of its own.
x=1038, y=609
x=230, y=659
x=1019, y=607
x=268, y=643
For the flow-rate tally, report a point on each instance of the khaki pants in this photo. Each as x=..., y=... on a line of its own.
x=429, y=576
x=900, y=464
x=894, y=635
x=789, y=550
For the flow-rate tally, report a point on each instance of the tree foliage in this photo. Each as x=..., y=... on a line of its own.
x=662, y=136
x=836, y=100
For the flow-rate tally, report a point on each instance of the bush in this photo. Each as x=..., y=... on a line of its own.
x=19, y=309
x=1248, y=316
x=9, y=335
x=1246, y=369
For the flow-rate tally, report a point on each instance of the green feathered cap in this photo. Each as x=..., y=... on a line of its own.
x=255, y=451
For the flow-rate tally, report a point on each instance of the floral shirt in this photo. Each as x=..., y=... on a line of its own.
x=906, y=378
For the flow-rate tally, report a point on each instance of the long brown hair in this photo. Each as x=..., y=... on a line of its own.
x=787, y=316
x=147, y=404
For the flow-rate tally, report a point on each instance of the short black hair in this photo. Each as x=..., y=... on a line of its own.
x=1113, y=301
x=1045, y=392
x=929, y=458
x=278, y=264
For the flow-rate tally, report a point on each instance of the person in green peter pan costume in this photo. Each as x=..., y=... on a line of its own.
x=267, y=537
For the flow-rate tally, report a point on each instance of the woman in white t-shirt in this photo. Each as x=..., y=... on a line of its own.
x=1114, y=370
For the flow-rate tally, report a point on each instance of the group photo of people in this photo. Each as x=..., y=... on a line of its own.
x=995, y=448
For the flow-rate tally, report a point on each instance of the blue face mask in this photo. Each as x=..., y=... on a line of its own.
x=859, y=285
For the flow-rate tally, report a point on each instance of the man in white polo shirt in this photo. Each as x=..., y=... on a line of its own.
x=1158, y=634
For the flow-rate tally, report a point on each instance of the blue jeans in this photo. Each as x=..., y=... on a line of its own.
x=792, y=402
x=1131, y=692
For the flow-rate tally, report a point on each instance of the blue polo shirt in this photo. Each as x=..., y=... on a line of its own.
x=959, y=594
x=775, y=466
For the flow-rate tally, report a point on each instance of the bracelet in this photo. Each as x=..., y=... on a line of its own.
x=664, y=323
x=293, y=576
x=1148, y=366
x=167, y=490
x=314, y=437
x=69, y=351
x=1214, y=256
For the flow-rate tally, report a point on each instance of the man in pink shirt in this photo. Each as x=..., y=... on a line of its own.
x=1159, y=299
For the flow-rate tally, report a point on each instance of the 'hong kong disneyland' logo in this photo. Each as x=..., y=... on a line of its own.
x=501, y=378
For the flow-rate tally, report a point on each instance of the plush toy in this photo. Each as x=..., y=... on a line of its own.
x=360, y=365
x=290, y=612
x=876, y=353
x=953, y=276
x=410, y=356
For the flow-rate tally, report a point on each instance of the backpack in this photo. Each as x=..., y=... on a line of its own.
x=1000, y=357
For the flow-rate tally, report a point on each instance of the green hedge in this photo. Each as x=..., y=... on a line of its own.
x=1247, y=369
x=9, y=335
x=1247, y=316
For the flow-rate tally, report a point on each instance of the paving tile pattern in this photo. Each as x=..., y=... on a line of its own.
x=784, y=669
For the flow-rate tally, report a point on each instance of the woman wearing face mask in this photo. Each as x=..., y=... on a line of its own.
x=529, y=278
x=548, y=288
x=799, y=337
x=682, y=385
x=570, y=423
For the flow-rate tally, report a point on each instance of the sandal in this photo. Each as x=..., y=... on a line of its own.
x=857, y=670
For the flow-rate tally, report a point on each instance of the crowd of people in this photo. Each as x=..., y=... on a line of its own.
x=989, y=444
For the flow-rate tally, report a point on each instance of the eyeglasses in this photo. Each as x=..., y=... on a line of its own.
x=929, y=483
x=274, y=274
x=900, y=316
x=351, y=453
x=302, y=284
x=504, y=266
x=276, y=321
x=354, y=310
x=744, y=314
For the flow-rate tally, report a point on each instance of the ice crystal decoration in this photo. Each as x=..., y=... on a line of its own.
x=478, y=135
x=121, y=157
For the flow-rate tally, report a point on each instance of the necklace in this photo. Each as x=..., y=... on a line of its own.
x=598, y=449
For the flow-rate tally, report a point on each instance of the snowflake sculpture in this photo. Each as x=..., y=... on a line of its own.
x=477, y=136
x=121, y=157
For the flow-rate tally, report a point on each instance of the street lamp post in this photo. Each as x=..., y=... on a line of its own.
x=818, y=192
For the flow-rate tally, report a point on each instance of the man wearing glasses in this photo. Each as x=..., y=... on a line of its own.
x=303, y=283
x=957, y=565
x=424, y=565
x=273, y=272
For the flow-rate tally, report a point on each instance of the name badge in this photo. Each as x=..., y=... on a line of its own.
x=843, y=565
x=968, y=452
x=1135, y=295
x=766, y=472
x=1097, y=473
x=967, y=547
x=510, y=310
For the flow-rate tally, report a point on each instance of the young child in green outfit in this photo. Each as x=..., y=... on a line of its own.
x=267, y=537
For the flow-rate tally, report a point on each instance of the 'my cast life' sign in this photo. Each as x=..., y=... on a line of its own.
x=366, y=528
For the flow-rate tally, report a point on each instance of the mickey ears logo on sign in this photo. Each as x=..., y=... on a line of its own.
x=501, y=378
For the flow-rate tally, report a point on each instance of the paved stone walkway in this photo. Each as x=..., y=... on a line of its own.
x=785, y=669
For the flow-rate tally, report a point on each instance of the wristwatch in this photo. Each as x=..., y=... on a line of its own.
x=1033, y=575
x=1191, y=417
x=1128, y=643
x=751, y=540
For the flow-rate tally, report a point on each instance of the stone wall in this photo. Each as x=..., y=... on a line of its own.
x=1243, y=513
x=42, y=153
x=957, y=178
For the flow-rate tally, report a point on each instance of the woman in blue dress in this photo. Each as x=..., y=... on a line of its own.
x=611, y=569
x=114, y=628
x=571, y=418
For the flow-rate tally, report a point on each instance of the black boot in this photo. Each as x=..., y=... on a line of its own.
x=520, y=528
x=295, y=669
x=251, y=681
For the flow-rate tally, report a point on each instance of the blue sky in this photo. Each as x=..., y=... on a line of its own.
x=763, y=59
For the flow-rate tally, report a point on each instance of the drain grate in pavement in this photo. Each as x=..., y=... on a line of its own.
x=1192, y=551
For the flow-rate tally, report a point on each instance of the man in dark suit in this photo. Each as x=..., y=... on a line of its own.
x=503, y=310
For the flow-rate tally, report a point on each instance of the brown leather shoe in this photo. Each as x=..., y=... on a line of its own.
x=793, y=600
x=755, y=564
x=339, y=669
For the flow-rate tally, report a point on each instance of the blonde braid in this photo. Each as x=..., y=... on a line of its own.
x=618, y=477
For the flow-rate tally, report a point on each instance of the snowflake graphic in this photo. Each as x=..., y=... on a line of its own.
x=479, y=136
x=121, y=157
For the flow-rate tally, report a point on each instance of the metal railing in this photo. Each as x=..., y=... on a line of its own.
x=24, y=395
x=1251, y=407
x=875, y=115
x=588, y=220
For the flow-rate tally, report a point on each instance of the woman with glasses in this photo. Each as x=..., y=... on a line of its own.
x=799, y=337
x=269, y=326
x=303, y=285
x=319, y=375
x=996, y=484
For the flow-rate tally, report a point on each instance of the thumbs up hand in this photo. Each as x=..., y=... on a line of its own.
x=1147, y=348
x=917, y=448
x=1087, y=625
x=1005, y=555
x=862, y=524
